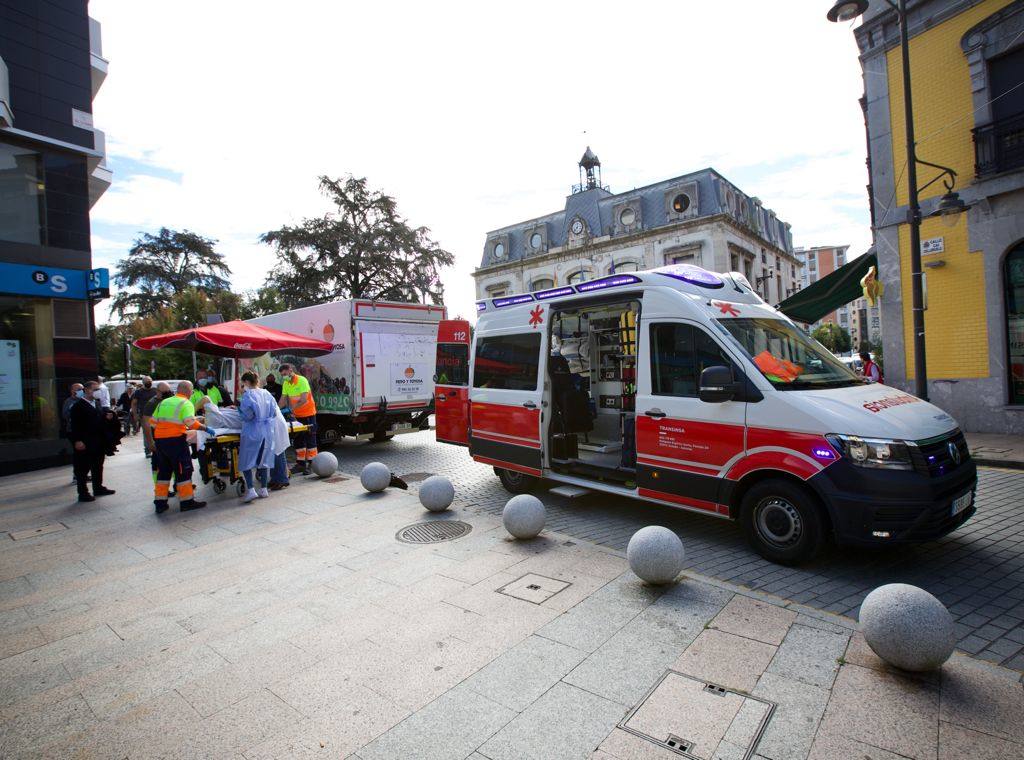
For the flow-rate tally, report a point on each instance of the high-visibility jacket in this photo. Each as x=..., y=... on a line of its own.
x=776, y=369
x=212, y=391
x=173, y=416
x=293, y=389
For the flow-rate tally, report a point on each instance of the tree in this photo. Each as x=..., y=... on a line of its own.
x=263, y=301
x=186, y=308
x=362, y=249
x=833, y=337
x=158, y=266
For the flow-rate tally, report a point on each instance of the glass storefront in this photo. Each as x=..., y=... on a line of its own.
x=22, y=209
x=1013, y=282
x=28, y=393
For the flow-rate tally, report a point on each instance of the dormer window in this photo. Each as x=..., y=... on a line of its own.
x=499, y=250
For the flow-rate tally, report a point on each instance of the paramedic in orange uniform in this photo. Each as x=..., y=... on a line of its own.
x=297, y=397
x=171, y=419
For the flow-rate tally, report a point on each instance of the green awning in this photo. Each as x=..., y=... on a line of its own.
x=830, y=292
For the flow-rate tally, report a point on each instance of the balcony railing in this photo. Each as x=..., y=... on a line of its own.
x=999, y=146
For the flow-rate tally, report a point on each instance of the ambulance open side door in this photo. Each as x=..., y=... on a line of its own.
x=451, y=382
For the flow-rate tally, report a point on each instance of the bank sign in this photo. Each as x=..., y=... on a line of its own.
x=51, y=282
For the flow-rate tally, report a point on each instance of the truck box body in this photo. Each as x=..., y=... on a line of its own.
x=378, y=381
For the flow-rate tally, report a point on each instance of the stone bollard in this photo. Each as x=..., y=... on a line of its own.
x=524, y=516
x=655, y=554
x=437, y=493
x=375, y=477
x=324, y=464
x=907, y=627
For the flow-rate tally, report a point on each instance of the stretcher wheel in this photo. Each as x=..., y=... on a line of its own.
x=240, y=487
x=219, y=486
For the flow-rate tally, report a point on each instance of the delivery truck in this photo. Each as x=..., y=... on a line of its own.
x=682, y=387
x=378, y=381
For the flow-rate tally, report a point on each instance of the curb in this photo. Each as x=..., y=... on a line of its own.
x=1002, y=464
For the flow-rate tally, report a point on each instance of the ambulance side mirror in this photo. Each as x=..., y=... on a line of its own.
x=717, y=385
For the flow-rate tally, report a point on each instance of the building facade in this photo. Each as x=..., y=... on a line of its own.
x=52, y=169
x=818, y=262
x=699, y=218
x=967, y=60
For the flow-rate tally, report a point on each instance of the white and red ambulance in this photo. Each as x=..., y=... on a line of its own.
x=683, y=387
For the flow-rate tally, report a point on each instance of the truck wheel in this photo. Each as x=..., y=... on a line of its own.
x=379, y=436
x=516, y=482
x=782, y=522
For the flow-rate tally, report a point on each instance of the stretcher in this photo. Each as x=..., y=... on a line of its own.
x=218, y=459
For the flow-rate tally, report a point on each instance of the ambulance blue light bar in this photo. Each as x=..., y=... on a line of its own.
x=480, y=306
x=613, y=281
x=544, y=295
x=512, y=300
x=692, y=274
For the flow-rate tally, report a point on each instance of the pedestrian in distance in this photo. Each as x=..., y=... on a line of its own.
x=65, y=416
x=124, y=409
x=297, y=397
x=172, y=418
x=89, y=441
x=273, y=387
x=140, y=400
x=870, y=370
x=258, y=411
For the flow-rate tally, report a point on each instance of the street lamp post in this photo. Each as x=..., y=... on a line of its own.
x=847, y=10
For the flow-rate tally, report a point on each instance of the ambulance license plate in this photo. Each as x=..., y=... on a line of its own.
x=401, y=426
x=961, y=503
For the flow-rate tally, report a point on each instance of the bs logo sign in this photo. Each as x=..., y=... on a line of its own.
x=58, y=283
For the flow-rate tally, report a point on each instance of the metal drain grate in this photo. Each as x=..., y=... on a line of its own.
x=433, y=531
x=416, y=477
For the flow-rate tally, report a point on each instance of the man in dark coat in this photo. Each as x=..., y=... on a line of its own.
x=88, y=434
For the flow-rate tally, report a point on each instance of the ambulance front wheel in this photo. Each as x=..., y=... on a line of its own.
x=516, y=482
x=782, y=522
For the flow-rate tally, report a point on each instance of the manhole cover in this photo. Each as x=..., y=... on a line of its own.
x=433, y=531
x=415, y=477
x=697, y=719
x=533, y=588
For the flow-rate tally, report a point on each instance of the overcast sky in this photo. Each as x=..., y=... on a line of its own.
x=219, y=116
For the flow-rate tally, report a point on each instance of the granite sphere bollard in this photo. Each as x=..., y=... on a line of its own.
x=655, y=554
x=907, y=627
x=376, y=476
x=524, y=516
x=437, y=493
x=324, y=464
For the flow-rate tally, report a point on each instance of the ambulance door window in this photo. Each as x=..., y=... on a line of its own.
x=507, y=362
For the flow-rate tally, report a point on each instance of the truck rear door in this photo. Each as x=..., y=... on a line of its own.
x=395, y=363
x=451, y=382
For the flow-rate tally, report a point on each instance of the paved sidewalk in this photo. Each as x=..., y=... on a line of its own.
x=299, y=626
x=996, y=450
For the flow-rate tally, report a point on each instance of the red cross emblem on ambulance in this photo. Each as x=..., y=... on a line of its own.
x=536, y=316
x=726, y=308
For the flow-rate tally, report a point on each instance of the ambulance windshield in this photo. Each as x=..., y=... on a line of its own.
x=788, y=358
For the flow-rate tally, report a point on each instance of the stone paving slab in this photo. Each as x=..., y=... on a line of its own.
x=978, y=571
x=301, y=628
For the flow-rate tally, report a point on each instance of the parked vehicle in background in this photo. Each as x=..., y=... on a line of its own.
x=377, y=383
x=683, y=387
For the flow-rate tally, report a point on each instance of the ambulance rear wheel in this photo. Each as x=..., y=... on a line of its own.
x=782, y=522
x=516, y=482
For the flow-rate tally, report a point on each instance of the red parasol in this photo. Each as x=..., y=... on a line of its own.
x=236, y=339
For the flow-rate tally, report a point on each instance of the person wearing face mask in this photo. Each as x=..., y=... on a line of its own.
x=297, y=397
x=162, y=391
x=258, y=411
x=172, y=418
x=206, y=385
x=65, y=414
x=88, y=436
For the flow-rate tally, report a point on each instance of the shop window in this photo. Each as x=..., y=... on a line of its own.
x=507, y=362
x=1013, y=282
x=28, y=397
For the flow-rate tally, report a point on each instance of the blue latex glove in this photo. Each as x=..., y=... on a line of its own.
x=211, y=431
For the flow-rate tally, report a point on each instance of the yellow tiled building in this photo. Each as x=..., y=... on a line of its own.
x=967, y=79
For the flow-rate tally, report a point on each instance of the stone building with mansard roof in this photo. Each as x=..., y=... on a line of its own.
x=699, y=218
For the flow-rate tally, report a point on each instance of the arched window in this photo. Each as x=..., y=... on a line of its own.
x=578, y=276
x=623, y=266
x=1013, y=284
x=541, y=284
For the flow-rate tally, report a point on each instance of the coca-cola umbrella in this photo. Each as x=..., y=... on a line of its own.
x=236, y=339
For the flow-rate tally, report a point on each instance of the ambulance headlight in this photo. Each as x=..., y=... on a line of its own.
x=873, y=452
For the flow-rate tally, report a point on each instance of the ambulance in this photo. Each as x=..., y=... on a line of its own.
x=681, y=386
